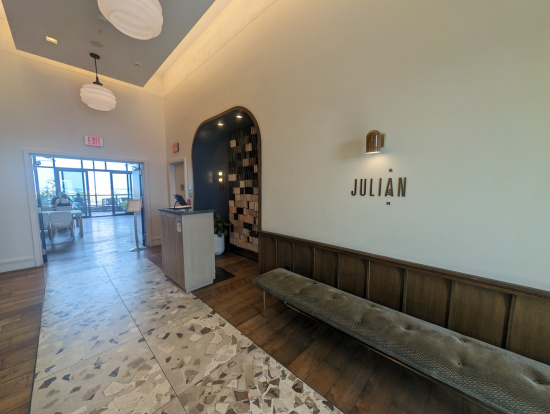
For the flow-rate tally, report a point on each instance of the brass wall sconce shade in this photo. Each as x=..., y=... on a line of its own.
x=375, y=142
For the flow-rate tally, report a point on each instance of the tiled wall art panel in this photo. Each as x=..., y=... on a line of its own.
x=244, y=198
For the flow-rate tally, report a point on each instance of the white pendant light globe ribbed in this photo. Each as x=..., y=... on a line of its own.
x=140, y=19
x=97, y=97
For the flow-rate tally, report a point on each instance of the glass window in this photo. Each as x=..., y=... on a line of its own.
x=120, y=184
x=99, y=165
x=121, y=192
x=67, y=163
x=89, y=165
x=44, y=161
x=46, y=182
x=91, y=191
x=117, y=166
x=103, y=192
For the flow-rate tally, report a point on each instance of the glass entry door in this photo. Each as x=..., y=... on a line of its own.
x=74, y=183
x=121, y=183
x=43, y=198
x=137, y=194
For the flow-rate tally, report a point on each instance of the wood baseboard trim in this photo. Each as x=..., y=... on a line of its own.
x=17, y=264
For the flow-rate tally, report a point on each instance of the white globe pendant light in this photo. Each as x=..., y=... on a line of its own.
x=95, y=95
x=140, y=19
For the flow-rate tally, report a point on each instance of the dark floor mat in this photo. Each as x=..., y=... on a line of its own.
x=222, y=274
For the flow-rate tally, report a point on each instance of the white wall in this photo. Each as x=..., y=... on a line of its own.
x=41, y=110
x=461, y=90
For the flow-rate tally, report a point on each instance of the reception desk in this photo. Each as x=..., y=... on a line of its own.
x=188, y=247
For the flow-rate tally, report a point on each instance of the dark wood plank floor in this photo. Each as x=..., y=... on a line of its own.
x=354, y=379
x=21, y=297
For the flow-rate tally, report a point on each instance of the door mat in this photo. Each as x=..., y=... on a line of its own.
x=222, y=274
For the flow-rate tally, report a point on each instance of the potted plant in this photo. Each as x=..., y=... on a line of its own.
x=221, y=229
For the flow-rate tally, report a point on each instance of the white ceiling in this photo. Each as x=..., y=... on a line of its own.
x=78, y=25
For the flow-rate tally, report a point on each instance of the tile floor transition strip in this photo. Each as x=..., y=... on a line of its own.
x=129, y=291
x=173, y=407
x=70, y=341
x=136, y=271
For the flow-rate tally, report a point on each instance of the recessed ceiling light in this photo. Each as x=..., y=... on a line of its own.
x=96, y=43
x=51, y=40
x=220, y=123
x=239, y=116
x=136, y=63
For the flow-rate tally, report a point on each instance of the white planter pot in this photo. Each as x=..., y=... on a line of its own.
x=219, y=244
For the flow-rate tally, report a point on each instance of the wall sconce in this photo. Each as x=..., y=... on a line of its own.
x=375, y=142
x=220, y=179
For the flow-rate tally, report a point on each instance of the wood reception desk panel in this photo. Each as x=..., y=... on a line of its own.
x=188, y=247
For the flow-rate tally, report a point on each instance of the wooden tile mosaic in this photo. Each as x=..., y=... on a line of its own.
x=244, y=203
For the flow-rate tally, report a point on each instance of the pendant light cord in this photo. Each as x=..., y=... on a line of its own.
x=97, y=82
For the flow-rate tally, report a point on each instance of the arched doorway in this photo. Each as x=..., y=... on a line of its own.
x=226, y=175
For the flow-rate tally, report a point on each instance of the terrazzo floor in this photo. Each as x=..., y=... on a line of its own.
x=124, y=339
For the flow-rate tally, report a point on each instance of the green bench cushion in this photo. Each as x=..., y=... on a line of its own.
x=498, y=378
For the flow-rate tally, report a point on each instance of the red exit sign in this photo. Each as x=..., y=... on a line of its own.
x=93, y=141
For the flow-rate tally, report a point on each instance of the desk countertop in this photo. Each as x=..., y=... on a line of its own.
x=184, y=212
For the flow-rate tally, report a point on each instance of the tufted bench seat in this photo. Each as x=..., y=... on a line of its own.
x=498, y=379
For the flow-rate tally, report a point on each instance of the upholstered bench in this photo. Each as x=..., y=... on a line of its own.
x=498, y=379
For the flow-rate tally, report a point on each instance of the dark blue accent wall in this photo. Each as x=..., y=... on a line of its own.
x=210, y=154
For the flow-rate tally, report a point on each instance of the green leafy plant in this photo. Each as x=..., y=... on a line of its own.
x=47, y=192
x=221, y=227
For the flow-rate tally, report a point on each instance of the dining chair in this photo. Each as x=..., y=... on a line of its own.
x=61, y=220
x=63, y=208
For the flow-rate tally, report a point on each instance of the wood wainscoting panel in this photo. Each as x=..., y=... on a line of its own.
x=268, y=253
x=529, y=330
x=385, y=285
x=284, y=254
x=479, y=307
x=427, y=297
x=480, y=313
x=303, y=259
x=353, y=275
x=326, y=267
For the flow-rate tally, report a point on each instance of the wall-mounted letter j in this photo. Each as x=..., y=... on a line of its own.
x=354, y=191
